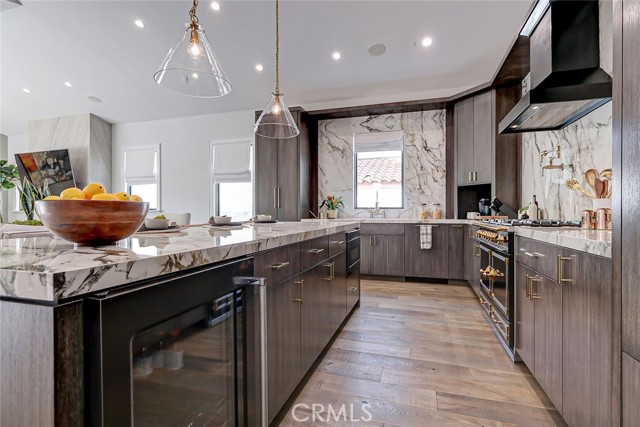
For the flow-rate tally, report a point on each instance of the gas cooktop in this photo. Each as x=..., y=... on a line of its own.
x=532, y=223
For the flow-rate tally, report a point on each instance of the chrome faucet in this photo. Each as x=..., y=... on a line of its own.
x=377, y=212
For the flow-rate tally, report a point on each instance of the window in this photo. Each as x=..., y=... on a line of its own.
x=142, y=173
x=231, y=176
x=378, y=170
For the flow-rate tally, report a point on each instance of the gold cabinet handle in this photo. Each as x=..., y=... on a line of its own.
x=316, y=251
x=476, y=250
x=533, y=254
x=279, y=265
x=469, y=176
x=278, y=197
x=533, y=295
x=527, y=288
x=475, y=175
x=301, y=284
x=353, y=289
x=561, y=279
x=332, y=270
x=275, y=197
x=337, y=242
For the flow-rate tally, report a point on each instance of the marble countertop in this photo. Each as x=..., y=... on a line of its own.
x=595, y=242
x=393, y=220
x=52, y=270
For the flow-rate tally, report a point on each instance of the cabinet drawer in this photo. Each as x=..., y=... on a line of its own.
x=539, y=256
x=382, y=228
x=313, y=252
x=278, y=265
x=337, y=243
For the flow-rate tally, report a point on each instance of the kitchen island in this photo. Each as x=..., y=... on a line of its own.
x=60, y=304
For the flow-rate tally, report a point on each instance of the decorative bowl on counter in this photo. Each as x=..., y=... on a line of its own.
x=92, y=222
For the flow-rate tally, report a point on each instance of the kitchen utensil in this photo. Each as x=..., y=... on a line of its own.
x=599, y=187
x=92, y=222
x=603, y=219
x=156, y=224
x=484, y=206
x=606, y=174
x=575, y=185
x=590, y=176
x=605, y=189
x=588, y=220
x=473, y=215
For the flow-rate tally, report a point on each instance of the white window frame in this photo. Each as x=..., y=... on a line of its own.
x=158, y=177
x=213, y=186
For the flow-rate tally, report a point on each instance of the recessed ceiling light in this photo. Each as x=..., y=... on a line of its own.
x=25, y=90
x=215, y=6
x=336, y=55
x=259, y=67
x=427, y=41
x=139, y=23
x=68, y=84
x=514, y=126
x=94, y=99
x=377, y=49
x=535, y=107
x=195, y=75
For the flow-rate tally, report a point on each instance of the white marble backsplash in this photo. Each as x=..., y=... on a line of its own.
x=585, y=144
x=424, y=158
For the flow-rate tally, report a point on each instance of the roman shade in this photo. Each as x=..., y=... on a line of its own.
x=232, y=162
x=140, y=165
x=379, y=141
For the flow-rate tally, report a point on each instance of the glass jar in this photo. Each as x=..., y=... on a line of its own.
x=436, y=211
x=424, y=212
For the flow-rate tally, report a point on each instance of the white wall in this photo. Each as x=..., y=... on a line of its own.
x=16, y=144
x=185, y=152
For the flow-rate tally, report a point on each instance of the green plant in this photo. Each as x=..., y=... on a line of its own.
x=30, y=194
x=332, y=203
x=9, y=176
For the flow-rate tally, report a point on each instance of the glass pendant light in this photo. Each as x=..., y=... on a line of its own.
x=276, y=120
x=191, y=67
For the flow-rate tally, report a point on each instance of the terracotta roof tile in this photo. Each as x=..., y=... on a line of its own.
x=381, y=169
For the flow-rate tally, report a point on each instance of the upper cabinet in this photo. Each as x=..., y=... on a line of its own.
x=483, y=156
x=474, y=138
x=283, y=174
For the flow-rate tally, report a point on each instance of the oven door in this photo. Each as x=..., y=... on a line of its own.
x=486, y=257
x=500, y=292
x=175, y=352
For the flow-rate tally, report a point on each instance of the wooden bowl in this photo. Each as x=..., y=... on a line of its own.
x=92, y=222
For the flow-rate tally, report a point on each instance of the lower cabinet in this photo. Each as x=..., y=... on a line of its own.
x=284, y=303
x=630, y=391
x=456, y=252
x=563, y=333
x=303, y=314
x=432, y=263
x=382, y=254
x=471, y=260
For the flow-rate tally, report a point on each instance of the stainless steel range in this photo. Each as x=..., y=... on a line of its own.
x=495, y=249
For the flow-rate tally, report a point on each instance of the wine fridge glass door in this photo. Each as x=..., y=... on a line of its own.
x=185, y=369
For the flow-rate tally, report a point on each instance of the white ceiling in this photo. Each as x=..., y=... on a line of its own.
x=96, y=46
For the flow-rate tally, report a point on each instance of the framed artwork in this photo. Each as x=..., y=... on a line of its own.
x=47, y=167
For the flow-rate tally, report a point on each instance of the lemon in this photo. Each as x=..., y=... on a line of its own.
x=92, y=189
x=104, y=196
x=135, y=198
x=52, y=198
x=122, y=196
x=71, y=193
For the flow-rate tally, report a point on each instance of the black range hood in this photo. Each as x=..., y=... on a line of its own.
x=567, y=82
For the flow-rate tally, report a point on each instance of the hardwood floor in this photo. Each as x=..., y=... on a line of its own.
x=420, y=355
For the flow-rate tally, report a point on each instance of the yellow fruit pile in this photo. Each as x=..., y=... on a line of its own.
x=94, y=191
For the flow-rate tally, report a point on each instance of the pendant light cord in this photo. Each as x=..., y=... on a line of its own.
x=277, y=50
x=192, y=15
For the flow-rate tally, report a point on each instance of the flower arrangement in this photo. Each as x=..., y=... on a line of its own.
x=332, y=203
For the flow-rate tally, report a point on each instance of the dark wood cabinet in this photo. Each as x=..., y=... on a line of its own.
x=456, y=252
x=283, y=174
x=284, y=303
x=630, y=391
x=432, y=263
x=525, y=317
x=382, y=255
x=315, y=314
x=471, y=260
x=463, y=113
x=475, y=133
x=483, y=137
x=548, y=336
x=586, y=332
x=338, y=290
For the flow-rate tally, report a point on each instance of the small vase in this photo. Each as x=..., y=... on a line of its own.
x=332, y=213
